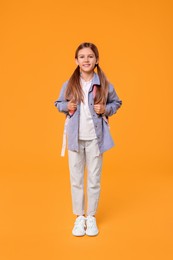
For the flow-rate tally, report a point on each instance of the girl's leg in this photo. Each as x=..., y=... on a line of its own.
x=76, y=167
x=94, y=167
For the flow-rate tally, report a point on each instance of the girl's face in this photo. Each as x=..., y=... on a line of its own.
x=86, y=60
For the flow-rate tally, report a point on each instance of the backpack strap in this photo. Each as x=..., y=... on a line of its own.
x=64, y=140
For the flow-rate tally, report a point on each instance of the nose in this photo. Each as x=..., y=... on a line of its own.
x=86, y=59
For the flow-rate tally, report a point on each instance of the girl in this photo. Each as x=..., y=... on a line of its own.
x=87, y=99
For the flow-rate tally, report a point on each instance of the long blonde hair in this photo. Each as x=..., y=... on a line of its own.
x=74, y=91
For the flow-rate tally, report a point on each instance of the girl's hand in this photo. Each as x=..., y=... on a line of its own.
x=99, y=108
x=71, y=106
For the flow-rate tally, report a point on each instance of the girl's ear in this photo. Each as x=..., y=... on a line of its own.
x=97, y=61
x=76, y=61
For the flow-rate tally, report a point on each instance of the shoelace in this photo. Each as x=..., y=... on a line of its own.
x=91, y=222
x=79, y=221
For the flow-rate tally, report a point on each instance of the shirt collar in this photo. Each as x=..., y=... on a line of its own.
x=86, y=82
x=96, y=80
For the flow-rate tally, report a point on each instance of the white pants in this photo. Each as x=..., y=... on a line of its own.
x=90, y=156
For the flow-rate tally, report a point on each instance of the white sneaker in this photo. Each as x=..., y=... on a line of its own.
x=92, y=229
x=79, y=226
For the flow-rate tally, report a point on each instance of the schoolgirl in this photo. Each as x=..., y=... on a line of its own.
x=87, y=99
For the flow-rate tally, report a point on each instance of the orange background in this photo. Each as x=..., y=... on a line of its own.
x=135, y=215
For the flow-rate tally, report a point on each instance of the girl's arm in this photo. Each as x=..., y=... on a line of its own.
x=113, y=102
x=61, y=103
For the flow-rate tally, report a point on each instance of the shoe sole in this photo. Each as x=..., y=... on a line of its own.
x=79, y=235
x=93, y=235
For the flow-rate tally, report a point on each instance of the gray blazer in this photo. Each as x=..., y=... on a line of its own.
x=105, y=141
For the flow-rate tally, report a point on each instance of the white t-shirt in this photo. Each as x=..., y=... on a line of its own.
x=86, y=125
